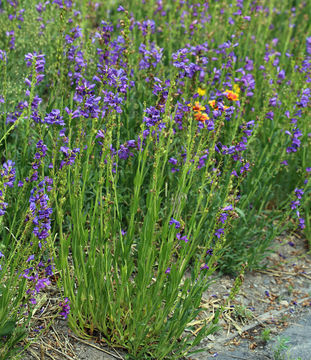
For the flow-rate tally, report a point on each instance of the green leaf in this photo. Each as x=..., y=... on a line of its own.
x=7, y=328
x=241, y=213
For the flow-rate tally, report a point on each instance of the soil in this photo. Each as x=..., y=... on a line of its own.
x=268, y=302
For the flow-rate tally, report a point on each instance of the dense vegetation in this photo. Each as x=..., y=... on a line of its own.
x=144, y=145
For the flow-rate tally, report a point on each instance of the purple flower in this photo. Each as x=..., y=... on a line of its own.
x=204, y=266
x=39, y=155
x=304, y=99
x=302, y=223
x=70, y=156
x=151, y=56
x=187, y=68
x=3, y=206
x=245, y=168
x=209, y=252
x=308, y=45
x=298, y=193
x=41, y=284
x=295, y=204
x=2, y=56
x=39, y=61
x=131, y=143
x=223, y=217
x=173, y=161
x=8, y=173
x=174, y=222
x=11, y=35
x=270, y=115
x=54, y=117
x=100, y=134
x=40, y=7
x=41, y=212
x=179, y=236
x=49, y=270
x=227, y=208
x=123, y=153
x=201, y=162
x=153, y=116
x=30, y=258
x=281, y=75
x=65, y=308
x=146, y=25
x=63, y=3
x=62, y=132
x=219, y=232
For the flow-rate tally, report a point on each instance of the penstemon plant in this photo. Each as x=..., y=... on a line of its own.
x=140, y=286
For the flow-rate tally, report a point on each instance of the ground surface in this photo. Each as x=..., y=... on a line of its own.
x=275, y=302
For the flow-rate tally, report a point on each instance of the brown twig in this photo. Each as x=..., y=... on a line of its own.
x=33, y=353
x=57, y=351
x=97, y=347
x=279, y=274
x=48, y=354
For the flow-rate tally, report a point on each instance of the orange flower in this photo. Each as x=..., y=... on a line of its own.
x=198, y=107
x=231, y=95
x=199, y=116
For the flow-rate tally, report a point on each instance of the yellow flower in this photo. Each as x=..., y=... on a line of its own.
x=212, y=103
x=201, y=92
x=236, y=88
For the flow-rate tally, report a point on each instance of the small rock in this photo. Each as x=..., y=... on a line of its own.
x=284, y=303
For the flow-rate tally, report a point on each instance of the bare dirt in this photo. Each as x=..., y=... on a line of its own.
x=268, y=302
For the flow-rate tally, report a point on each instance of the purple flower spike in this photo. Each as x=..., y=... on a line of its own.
x=41, y=212
x=8, y=173
x=65, y=307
